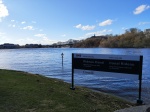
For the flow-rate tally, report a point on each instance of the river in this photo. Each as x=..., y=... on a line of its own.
x=48, y=62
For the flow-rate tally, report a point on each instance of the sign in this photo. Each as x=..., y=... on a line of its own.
x=107, y=63
x=112, y=65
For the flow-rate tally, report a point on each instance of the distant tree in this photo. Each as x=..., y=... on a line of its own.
x=133, y=30
x=89, y=42
x=146, y=42
x=132, y=38
x=147, y=33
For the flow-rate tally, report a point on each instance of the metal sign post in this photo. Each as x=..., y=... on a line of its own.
x=139, y=101
x=72, y=79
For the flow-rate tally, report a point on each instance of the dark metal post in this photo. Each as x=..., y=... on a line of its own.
x=62, y=58
x=72, y=78
x=139, y=101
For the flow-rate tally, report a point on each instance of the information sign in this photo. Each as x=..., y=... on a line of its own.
x=108, y=64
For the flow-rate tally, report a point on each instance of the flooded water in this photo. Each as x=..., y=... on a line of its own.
x=48, y=62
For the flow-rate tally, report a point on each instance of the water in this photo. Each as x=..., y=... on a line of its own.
x=48, y=62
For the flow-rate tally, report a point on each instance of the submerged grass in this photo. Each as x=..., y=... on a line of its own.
x=25, y=92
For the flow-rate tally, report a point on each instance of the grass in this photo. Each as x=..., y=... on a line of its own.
x=25, y=92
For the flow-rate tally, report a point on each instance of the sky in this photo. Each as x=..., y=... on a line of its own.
x=49, y=21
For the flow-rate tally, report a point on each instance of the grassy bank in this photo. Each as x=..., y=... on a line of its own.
x=24, y=92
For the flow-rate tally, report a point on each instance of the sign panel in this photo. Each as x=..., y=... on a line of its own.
x=107, y=63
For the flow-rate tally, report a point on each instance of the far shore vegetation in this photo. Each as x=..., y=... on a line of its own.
x=132, y=38
x=25, y=92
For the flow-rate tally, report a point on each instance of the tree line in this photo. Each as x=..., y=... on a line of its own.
x=132, y=38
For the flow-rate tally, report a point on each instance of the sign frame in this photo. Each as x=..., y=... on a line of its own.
x=127, y=64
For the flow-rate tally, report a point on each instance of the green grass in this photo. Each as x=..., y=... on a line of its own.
x=24, y=92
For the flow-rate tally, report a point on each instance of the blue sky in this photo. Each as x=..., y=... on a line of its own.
x=48, y=21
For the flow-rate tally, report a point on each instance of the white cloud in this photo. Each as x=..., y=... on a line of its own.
x=28, y=28
x=3, y=10
x=46, y=40
x=124, y=28
x=143, y=23
x=1, y=34
x=12, y=20
x=140, y=9
x=99, y=33
x=87, y=27
x=26, y=40
x=14, y=26
x=78, y=26
x=64, y=35
x=5, y=39
x=43, y=39
x=23, y=22
x=106, y=22
x=30, y=40
x=40, y=35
